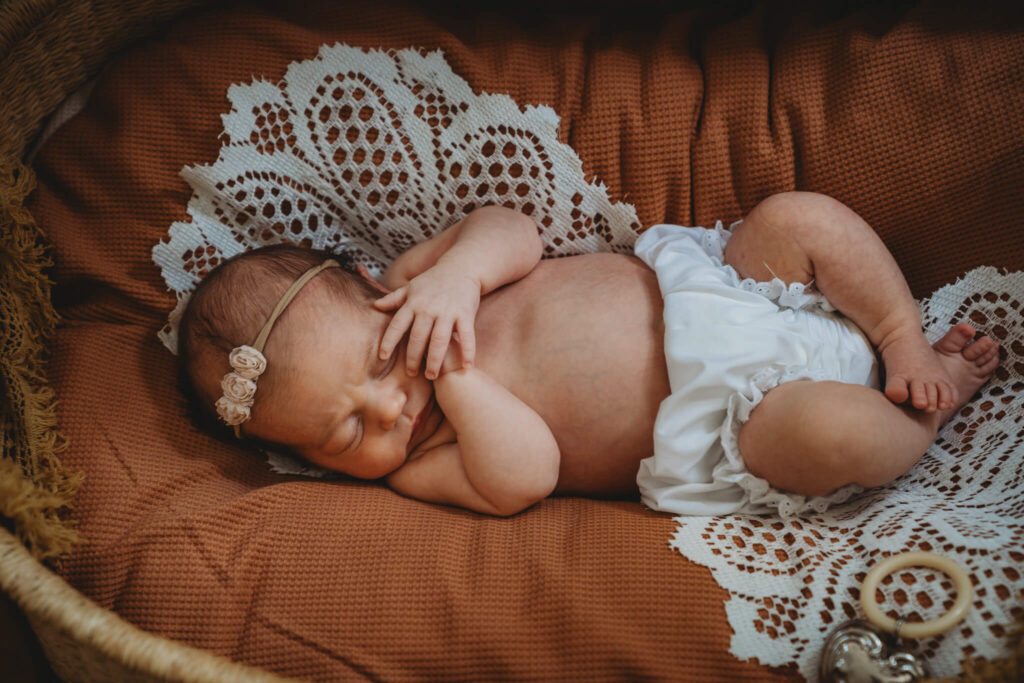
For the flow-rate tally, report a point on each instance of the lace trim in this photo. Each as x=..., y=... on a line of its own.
x=793, y=295
x=760, y=493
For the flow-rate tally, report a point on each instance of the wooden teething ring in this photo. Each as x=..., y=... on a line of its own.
x=924, y=629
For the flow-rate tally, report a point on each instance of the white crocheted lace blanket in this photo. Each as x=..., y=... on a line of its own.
x=369, y=152
x=792, y=580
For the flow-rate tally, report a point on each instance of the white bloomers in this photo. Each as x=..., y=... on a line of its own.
x=727, y=342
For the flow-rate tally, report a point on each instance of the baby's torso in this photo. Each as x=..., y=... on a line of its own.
x=579, y=340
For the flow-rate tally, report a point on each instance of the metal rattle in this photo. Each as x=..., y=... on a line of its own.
x=860, y=651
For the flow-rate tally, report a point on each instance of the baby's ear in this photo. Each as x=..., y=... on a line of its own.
x=365, y=274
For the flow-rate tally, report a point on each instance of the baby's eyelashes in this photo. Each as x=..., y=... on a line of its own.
x=356, y=435
x=386, y=366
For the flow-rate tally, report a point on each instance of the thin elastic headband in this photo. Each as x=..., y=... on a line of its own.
x=248, y=361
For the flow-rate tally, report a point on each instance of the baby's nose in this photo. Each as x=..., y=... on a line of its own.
x=389, y=405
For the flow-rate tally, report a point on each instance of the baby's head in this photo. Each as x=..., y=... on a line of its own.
x=322, y=379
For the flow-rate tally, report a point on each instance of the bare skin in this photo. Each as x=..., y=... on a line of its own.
x=804, y=237
x=871, y=440
x=567, y=339
x=501, y=379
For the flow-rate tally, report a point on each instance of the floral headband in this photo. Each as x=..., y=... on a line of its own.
x=248, y=362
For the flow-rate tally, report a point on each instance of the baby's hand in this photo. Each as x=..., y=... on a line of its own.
x=432, y=307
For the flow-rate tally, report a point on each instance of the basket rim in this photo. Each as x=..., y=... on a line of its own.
x=50, y=602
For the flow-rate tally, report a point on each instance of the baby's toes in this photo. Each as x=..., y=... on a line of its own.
x=919, y=394
x=977, y=349
x=947, y=395
x=955, y=339
x=988, y=362
x=896, y=389
x=924, y=395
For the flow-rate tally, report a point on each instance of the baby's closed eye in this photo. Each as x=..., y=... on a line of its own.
x=342, y=439
x=384, y=367
x=357, y=434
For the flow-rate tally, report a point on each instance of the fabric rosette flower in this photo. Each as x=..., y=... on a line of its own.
x=232, y=412
x=247, y=362
x=238, y=389
x=239, y=385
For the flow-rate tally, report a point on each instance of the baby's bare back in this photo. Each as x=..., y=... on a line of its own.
x=579, y=340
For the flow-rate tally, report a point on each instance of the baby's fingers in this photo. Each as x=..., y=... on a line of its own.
x=396, y=329
x=467, y=341
x=419, y=335
x=391, y=301
x=440, y=338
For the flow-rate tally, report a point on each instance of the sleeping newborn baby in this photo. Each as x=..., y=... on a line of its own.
x=475, y=374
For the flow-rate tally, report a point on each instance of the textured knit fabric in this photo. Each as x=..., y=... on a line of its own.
x=911, y=116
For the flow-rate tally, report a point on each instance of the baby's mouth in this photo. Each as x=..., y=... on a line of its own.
x=420, y=423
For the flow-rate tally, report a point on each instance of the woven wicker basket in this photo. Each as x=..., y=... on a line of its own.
x=49, y=50
x=85, y=642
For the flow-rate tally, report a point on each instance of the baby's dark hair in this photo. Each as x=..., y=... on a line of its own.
x=232, y=303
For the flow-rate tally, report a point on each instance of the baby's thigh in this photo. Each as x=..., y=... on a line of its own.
x=798, y=437
x=767, y=244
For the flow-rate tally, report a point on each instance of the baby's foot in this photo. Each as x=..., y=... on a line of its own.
x=969, y=363
x=913, y=372
x=943, y=376
x=925, y=375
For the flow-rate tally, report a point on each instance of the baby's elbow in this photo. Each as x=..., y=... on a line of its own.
x=528, y=246
x=526, y=230
x=531, y=237
x=546, y=465
x=537, y=484
x=552, y=463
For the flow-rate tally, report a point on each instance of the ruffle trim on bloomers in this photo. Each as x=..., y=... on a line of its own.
x=705, y=474
x=761, y=496
x=793, y=295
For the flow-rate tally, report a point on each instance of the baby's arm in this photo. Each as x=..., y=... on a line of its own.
x=505, y=459
x=439, y=283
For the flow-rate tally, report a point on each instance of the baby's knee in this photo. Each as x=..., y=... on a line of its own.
x=767, y=243
x=782, y=206
x=797, y=210
x=787, y=234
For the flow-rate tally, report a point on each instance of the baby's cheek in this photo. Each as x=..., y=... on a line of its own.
x=395, y=455
x=324, y=462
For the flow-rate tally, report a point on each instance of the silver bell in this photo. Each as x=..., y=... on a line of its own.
x=868, y=651
x=857, y=652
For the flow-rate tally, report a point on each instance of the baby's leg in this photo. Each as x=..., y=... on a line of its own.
x=814, y=437
x=803, y=236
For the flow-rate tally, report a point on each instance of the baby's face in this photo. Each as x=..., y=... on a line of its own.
x=346, y=409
